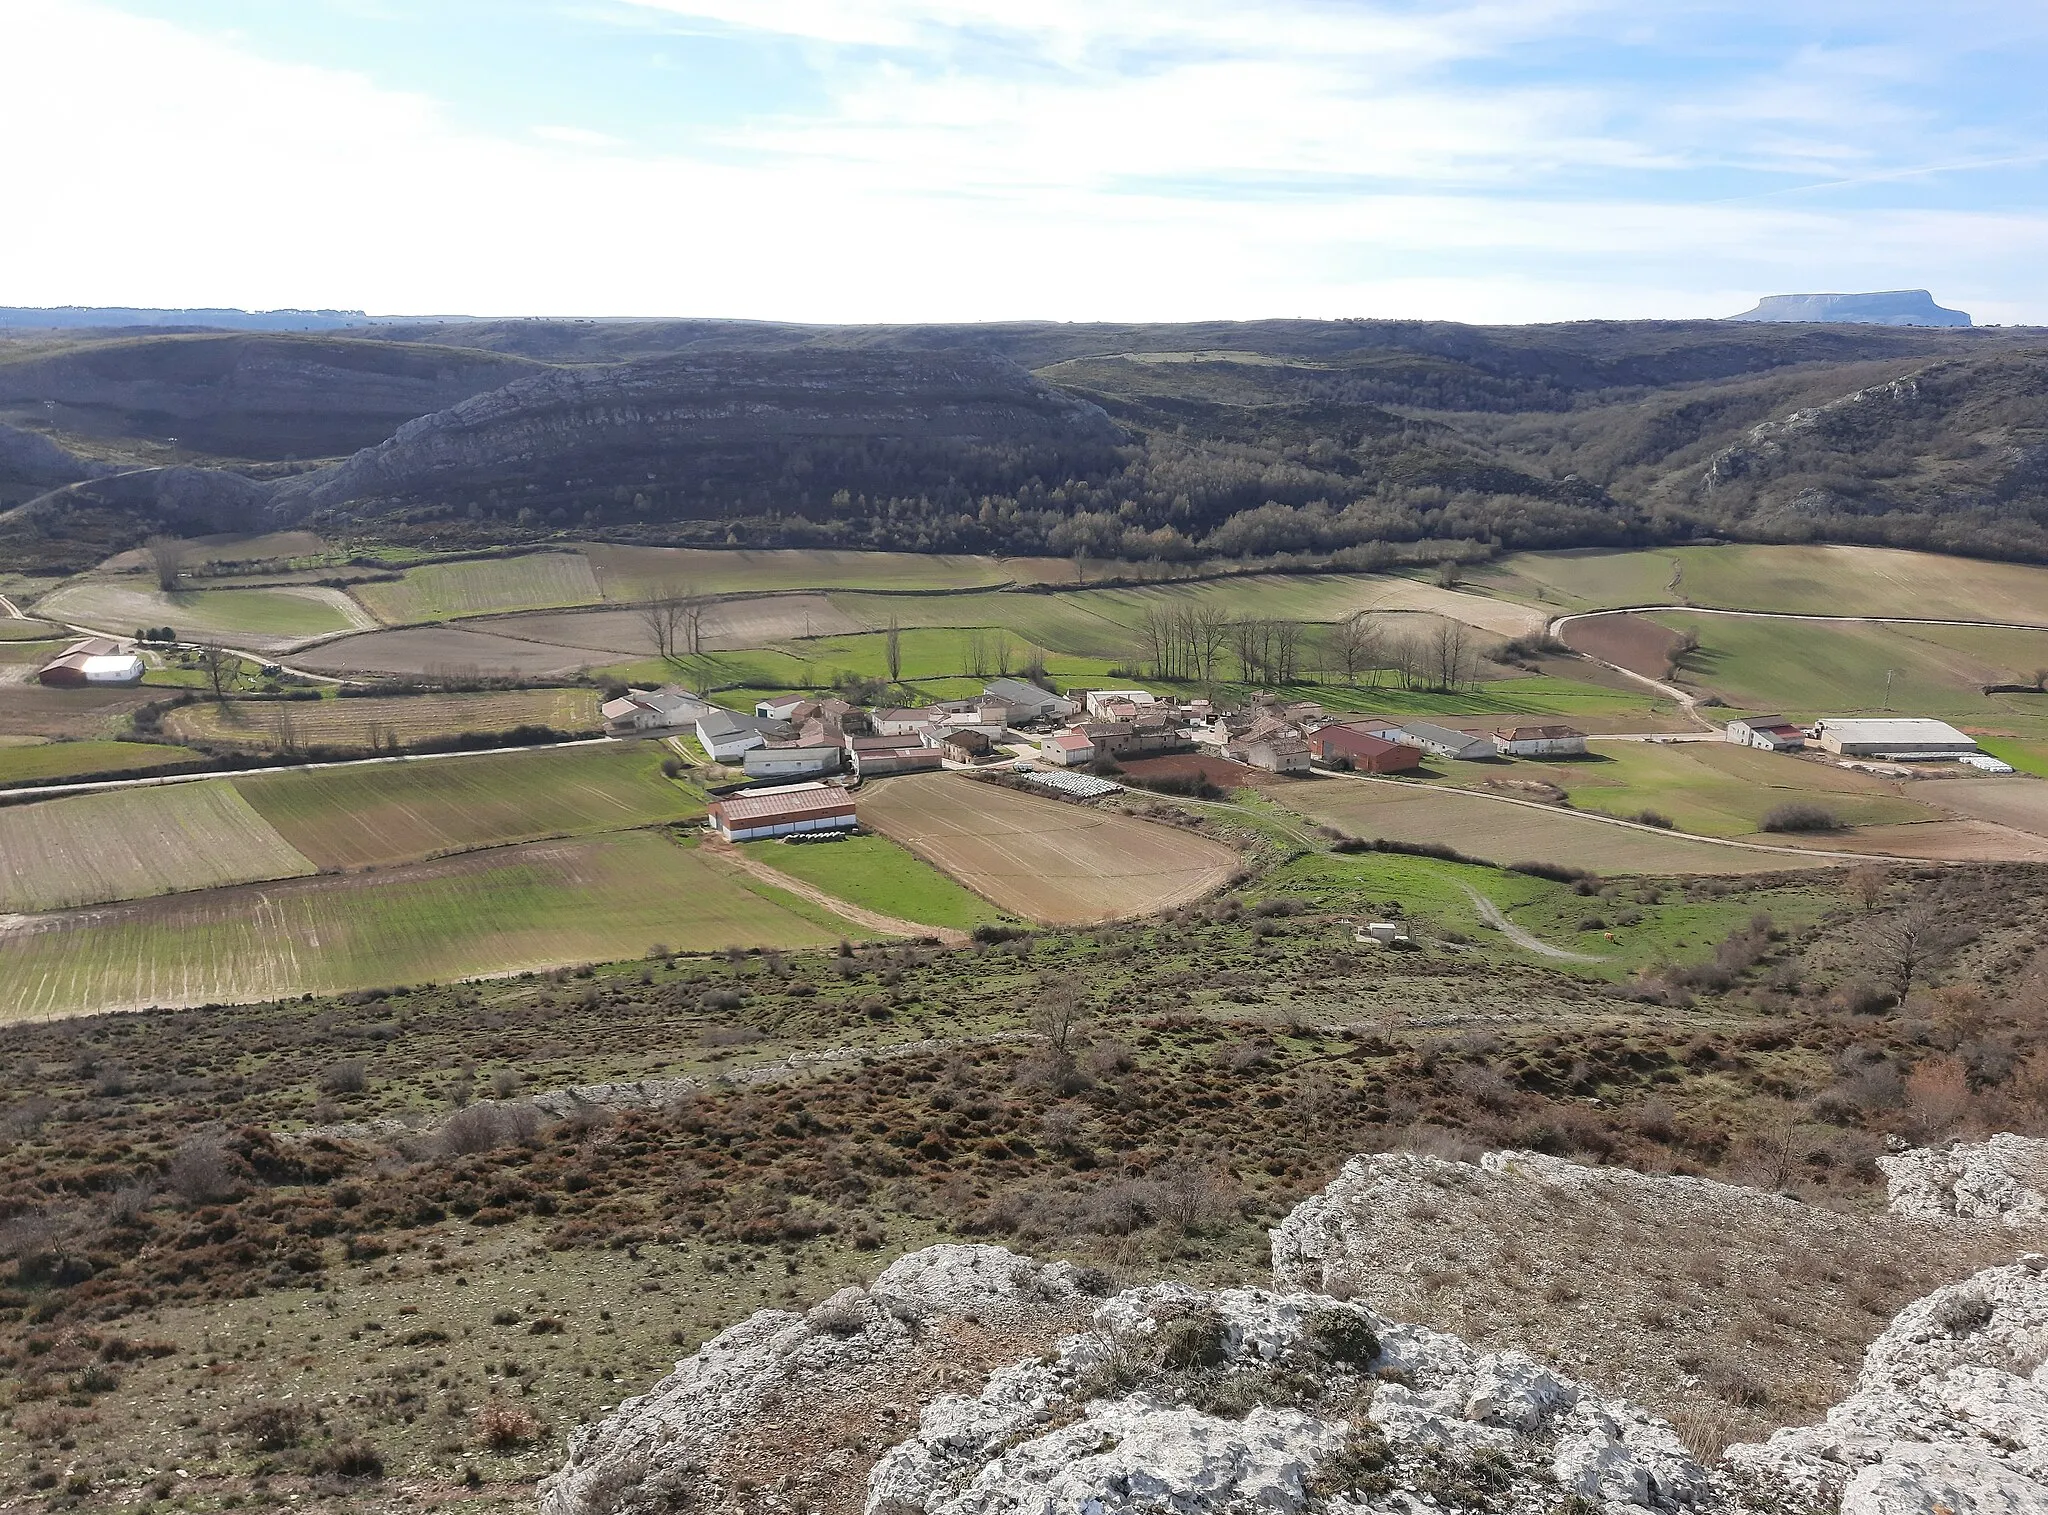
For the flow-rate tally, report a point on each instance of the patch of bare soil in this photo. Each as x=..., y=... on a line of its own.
x=1627, y=641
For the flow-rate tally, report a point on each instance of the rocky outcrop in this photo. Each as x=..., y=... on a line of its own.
x=730, y=426
x=1950, y=1413
x=2003, y=1179
x=1893, y=307
x=1242, y=1399
x=740, y=1410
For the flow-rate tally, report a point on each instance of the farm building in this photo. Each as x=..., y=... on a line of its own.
x=793, y=760
x=1029, y=702
x=1117, y=704
x=783, y=811
x=727, y=735
x=1540, y=741
x=1361, y=752
x=1888, y=737
x=874, y=757
x=96, y=660
x=900, y=722
x=1773, y=733
x=652, y=709
x=1272, y=744
x=1069, y=749
x=779, y=707
x=967, y=746
x=1441, y=741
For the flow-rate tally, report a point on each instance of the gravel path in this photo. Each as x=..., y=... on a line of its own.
x=1491, y=914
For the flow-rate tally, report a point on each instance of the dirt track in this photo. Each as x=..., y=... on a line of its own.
x=873, y=920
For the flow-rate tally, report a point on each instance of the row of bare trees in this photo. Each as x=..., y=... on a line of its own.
x=673, y=615
x=1191, y=642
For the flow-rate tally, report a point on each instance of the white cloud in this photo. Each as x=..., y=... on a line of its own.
x=1243, y=176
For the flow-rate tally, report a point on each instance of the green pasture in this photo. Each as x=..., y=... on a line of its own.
x=1811, y=669
x=628, y=572
x=1710, y=788
x=444, y=591
x=526, y=908
x=13, y=629
x=1678, y=927
x=2028, y=757
x=1805, y=580
x=120, y=605
x=876, y=874
x=52, y=761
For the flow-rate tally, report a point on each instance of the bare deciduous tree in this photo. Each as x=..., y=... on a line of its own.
x=1867, y=882
x=1060, y=1016
x=218, y=666
x=1907, y=943
x=166, y=560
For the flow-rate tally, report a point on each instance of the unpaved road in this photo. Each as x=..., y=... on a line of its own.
x=1493, y=916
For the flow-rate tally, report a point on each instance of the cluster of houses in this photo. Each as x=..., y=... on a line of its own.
x=798, y=738
x=94, y=661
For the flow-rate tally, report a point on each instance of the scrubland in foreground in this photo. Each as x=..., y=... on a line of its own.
x=375, y=1204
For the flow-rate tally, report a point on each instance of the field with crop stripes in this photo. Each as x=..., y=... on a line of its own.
x=1044, y=859
x=129, y=843
x=441, y=591
x=377, y=814
x=522, y=908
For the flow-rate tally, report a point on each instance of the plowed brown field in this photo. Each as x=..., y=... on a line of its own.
x=1043, y=859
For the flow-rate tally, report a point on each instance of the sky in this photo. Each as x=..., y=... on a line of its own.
x=961, y=160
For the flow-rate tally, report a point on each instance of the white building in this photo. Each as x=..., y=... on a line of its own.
x=1892, y=737
x=1773, y=733
x=728, y=736
x=653, y=710
x=1540, y=741
x=1099, y=701
x=792, y=761
x=1442, y=741
x=1029, y=702
x=785, y=811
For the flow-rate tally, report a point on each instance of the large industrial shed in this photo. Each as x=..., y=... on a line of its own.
x=1893, y=737
x=783, y=811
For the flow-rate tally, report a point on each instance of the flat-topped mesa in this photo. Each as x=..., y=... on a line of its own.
x=1890, y=307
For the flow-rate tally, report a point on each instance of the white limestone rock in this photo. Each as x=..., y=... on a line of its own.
x=649, y=1448
x=1950, y=1412
x=1134, y=1416
x=2003, y=1179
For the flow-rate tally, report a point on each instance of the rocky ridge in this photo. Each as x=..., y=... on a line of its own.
x=2004, y=1179
x=1212, y=1402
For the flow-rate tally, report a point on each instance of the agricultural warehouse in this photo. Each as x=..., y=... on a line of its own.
x=1540, y=741
x=785, y=811
x=1441, y=741
x=728, y=736
x=652, y=709
x=1029, y=702
x=1905, y=737
x=1070, y=749
x=1773, y=733
x=875, y=756
x=1361, y=752
x=96, y=660
x=793, y=760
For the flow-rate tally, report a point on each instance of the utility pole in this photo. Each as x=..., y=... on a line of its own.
x=1888, y=687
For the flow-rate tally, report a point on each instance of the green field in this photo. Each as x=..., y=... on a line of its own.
x=442, y=591
x=630, y=572
x=876, y=874
x=129, y=843
x=1713, y=788
x=2028, y=757
x=45, y=762
x=523, y=908
x=1430, y=896
x=1811, y=669
x=1811, y=580
x=265, y=617
x=377, y=814
x=13, y=629
x=1511, y=833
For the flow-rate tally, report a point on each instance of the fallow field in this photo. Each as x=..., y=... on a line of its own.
x=270, y=620
x=518, y=909
x=373, y=815
x=359, y=722
x=128, y=843
x=443, y=591
x=1043, y=859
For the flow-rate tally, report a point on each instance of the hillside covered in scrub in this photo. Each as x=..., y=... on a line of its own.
x=1114, y=441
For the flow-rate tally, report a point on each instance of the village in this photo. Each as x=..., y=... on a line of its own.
x=797, y=758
